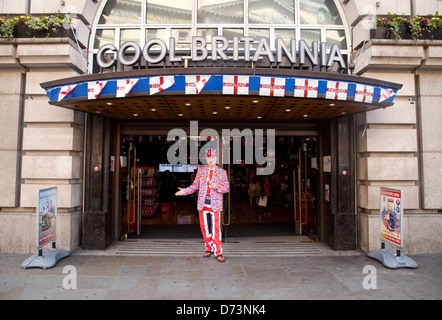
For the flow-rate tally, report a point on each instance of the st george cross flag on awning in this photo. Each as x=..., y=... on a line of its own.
x=124, y=86
x=94, y=88
x=235, y=85
x=194, y=84
x=158, y=84
x=336, y=90
x=306, y=88
x=364, y=93
x=64, y=91
x=386, y=94
x=272, y=87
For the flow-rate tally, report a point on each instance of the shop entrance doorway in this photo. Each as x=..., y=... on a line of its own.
x=283, y=203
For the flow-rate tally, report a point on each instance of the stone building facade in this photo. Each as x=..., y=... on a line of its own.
x=44, y=145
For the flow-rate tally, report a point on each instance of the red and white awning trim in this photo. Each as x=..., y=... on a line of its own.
x=195, y=84
x=161, y=83
x=94, y=88
x=270, y=86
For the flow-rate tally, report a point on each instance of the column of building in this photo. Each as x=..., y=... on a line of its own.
x=41, y=145
x=399, y=146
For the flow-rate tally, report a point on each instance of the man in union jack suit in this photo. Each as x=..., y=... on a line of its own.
x=211, y=181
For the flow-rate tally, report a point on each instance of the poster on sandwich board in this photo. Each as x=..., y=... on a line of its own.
x=391, y=211
x=46, y=212
x=47, y=216
x=391, y=218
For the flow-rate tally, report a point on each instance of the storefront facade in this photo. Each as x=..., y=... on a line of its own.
x=58, y=134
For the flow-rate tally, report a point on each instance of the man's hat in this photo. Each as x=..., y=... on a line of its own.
x=211, y=152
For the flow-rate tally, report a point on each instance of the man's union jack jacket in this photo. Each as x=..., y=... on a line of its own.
x=201, y=183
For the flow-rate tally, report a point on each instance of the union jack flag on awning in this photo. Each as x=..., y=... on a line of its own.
x=306, y=88
x=65, y=90
x=364, y=93
x=386, y=94
x=158, y=84
x=124, y=86
x=195, y=84
x=94, y=88
x=236, y=85
x=336, y=90
x=272, y=87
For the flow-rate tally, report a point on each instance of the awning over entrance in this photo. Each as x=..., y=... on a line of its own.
x=221, y=93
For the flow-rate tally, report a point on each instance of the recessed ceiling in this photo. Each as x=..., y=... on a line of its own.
x=219, y=108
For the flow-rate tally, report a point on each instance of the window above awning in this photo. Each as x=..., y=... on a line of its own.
x=221, y=94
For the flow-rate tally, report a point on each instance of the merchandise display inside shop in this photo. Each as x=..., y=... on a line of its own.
x=148, y=183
